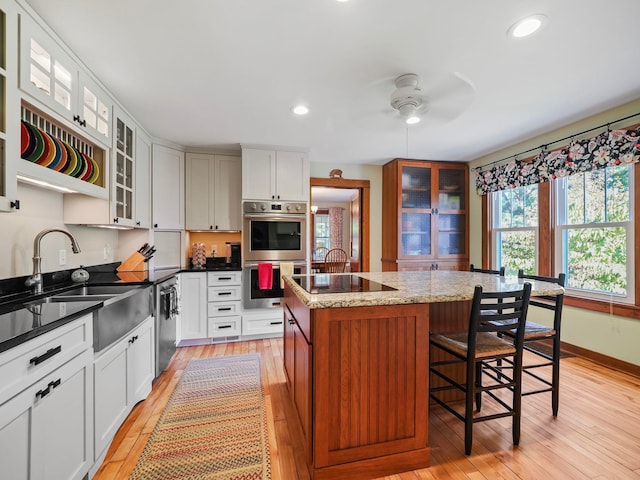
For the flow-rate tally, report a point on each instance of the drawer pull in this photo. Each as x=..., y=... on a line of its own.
x=45, y=356
x=224, y=278
x=275, y=304
x=277, y=323
x=220, y=327
x=43, y=393
x=224, y=293
x=133, y=339
x=224, y=309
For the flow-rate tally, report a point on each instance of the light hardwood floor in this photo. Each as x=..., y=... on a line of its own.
x=595, y=436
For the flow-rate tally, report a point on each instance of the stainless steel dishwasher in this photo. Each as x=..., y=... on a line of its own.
x=166, y=311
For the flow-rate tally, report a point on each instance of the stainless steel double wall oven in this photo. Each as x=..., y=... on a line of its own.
x=273, y=232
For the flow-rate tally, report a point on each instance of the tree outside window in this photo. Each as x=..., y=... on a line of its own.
x=515, y=229
x=594, y=234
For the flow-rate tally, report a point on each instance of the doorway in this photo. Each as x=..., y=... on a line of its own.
x=354, y=196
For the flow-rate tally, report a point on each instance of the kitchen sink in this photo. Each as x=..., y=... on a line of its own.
x=123, y=308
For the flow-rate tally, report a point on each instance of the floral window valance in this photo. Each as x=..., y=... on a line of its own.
x=608, y=149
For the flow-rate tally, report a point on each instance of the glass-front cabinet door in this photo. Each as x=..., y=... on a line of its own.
x=123, y=185
x=416, y=212
x=451, y=214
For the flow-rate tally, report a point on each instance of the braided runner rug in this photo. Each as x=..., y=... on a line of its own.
x=213, y=427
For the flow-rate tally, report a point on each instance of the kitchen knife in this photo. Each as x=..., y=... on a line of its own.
x=143, y=247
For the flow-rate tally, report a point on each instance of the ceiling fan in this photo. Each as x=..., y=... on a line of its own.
x=443, y=98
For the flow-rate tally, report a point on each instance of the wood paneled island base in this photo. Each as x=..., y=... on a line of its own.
x=357, y=366
x=365, y=372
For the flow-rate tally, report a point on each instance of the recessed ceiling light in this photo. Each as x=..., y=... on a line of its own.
x=527, y=26
x=300, y=109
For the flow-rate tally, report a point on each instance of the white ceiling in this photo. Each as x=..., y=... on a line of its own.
x=214, y=73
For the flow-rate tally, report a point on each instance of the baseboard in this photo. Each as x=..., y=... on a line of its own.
x=602, y=359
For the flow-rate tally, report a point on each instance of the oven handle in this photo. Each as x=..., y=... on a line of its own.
x=276, y=264
x=275, y=218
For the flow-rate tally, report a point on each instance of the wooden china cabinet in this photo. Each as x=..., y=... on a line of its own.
x=425, y=221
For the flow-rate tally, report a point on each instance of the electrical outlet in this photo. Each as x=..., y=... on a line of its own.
x=105, y=253
x=214, y=249
x=62, y=257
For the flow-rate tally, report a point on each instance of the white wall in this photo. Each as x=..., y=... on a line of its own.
x=41, y=209
x=603, y=333
x=373, y=173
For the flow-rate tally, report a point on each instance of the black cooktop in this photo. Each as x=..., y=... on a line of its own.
x=327, y=283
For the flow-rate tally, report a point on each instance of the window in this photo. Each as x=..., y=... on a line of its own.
x=594, y=233
x=515, y=229
x=322, y=232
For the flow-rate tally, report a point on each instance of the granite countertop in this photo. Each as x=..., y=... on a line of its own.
x=418, y=287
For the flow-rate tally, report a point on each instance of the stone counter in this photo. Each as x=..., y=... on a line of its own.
x=418, y=287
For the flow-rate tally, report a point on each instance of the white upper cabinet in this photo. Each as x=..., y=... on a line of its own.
x=213, y=192
x=142, y=179
x=9, y=126
x=123, y=171
x=52, y=78
x=167, y=188
x=275, y=175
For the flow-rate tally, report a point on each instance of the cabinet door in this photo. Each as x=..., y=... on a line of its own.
x=142, y=179
x=9, y=126
x=62, y=426
x=258, y=174
x=193, y=312
x=47, y=72
x=292, y=176
x=199, y=172
x=167, y=188
x=227, y=193
x=289, y=346
x=95, y=108
x=302, y=385
x=140, y=362
x=451, y=216
x=122, y=190
x=15, y=421
x=416, y=211
x=110, y=397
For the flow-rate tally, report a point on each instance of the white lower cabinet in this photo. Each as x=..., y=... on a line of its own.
x=262, y=322
x=46, y=429
x=224, y=304
x=193, y=306
x=123, y=374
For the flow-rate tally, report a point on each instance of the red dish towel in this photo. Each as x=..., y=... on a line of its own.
x=265, y=276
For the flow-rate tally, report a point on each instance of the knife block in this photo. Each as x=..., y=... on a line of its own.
x=135, y=263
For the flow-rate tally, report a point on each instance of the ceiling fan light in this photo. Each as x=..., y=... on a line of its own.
x=412, y=120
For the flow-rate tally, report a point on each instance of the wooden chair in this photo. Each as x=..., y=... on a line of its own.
x=475, y=351
x=335, y=261
x=534, y=332
x=486, y=270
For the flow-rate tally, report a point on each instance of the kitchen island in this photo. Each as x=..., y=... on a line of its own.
x=356, y=358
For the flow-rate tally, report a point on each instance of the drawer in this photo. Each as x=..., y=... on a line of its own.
x=224, y=294
x=261, y=326
x=224, y=326
x=221, y=309
x=27, y=363
x=224, y=278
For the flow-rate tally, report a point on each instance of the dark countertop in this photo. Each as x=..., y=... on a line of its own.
x=21, y=321
x=29, y=321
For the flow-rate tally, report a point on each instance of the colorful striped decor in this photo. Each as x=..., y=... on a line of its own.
x=39, y=147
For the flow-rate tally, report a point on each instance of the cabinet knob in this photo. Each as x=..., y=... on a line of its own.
x=138, y=223
x=15, y=204
x=155, y=225
x=115, y=220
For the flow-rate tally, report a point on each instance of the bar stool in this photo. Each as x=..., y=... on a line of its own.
x=476, y=351
x=534, y=332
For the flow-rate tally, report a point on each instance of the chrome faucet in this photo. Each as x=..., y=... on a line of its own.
x=35, y=280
